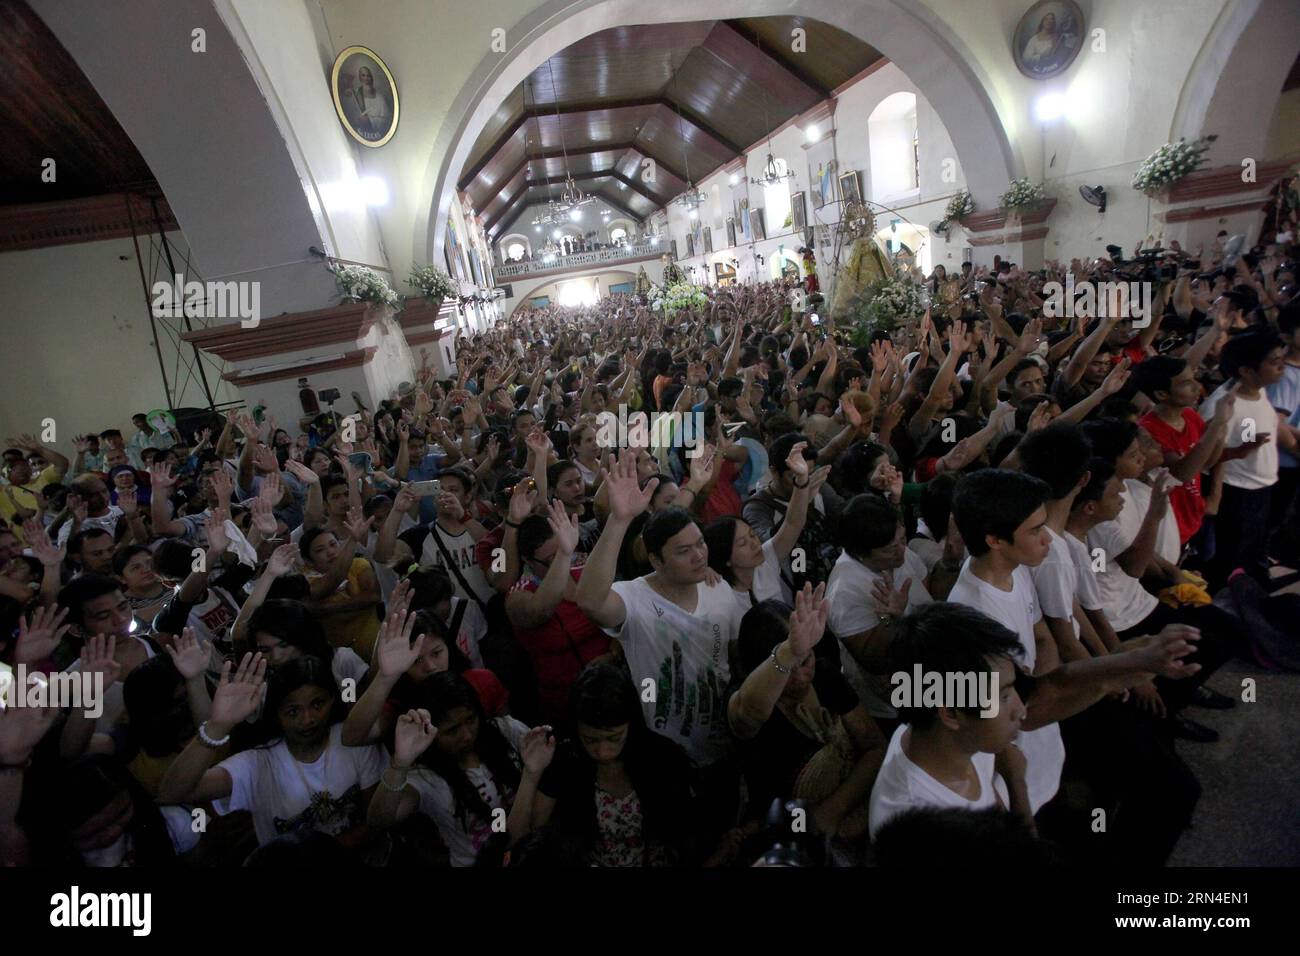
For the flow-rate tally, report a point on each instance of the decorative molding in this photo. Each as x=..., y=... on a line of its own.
x=93, y=219
x=1001, y=218
x=1025, y=235
x=424, y=338
x=418, y=311
x=1226, y=180
x=737, y=165
x=1191, y=213
x=287, y=333
x=354, y=359
x=612, y=265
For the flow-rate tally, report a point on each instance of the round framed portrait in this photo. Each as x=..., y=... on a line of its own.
x=365, y=96
x=1048, y=38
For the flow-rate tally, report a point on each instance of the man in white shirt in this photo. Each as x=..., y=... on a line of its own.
x=675, y=631
x=876, y=579
x=1252, y=362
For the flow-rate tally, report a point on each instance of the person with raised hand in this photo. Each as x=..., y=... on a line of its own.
x=395, y=654
x=303, y=778
x=772, y=714
x=675, y=630
x=458, y=767
x=345, y=592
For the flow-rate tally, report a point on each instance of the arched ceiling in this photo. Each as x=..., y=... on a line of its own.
x=690, y=96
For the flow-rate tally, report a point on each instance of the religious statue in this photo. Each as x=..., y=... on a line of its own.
x=672, y=272
x=642, y=283
x=810, y=283
x=868, y=262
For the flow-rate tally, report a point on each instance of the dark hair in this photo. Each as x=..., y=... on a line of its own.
x=1157, y=374
x=372, y=505
x=173, y=558
x=305, y=671
x=1058, y=454
x=461, y=473
x=1026, y=407
x=663, y=525
x=603, y=695
x=866, y=523
x=329, y=482
x=122, y=558
x=84, y=535
x=1117, y=406
x=995, y=501
x=936, y=503
x=309, y=537
x=1004, y=446
x=947, y=638
x=720, y=537
x=554, y=472
x=780, y=451
x=1247, y=350
x=534, y=531
x=1110, y=437
x=764, y=626
x=429, y=587
x=85, y=587
x=953, y=837
x=1020, y=367
x=730, y=387
x=149, y=693
x=440, y=695
x=1100, y=472
x=1288, y=317
x=853, y=468
x=427, y=622
x=292, y=623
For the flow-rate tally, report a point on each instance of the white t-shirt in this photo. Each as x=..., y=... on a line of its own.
x=848, y=592
x=284, y=795
x=767, y=584
x=465, y=835
x=473, y=628
x=686, y=654
x=1168, y=543
x=902, y=785
x=1124, y=599
x=1259, y=468
x=928, y=550
x=1018, y=611
x=461, y=548
x=106, y=522
x=1056, y=582
x=1089, y=592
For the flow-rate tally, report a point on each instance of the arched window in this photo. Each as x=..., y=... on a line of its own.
x=618, y=234
x=892, y=134
x=776, y=201
x=515, y=250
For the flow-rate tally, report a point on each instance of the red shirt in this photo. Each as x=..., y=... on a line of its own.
x=724, y=500
x=1185, y=500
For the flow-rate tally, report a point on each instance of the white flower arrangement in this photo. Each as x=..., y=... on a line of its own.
x=360, y=284
x=431, y=281
x=1022, y=192
x=959, y=207
x=680, y=295
x=1170, y=163
x=892, y=300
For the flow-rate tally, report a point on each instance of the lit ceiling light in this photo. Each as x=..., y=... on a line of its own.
x=694, y=214
x=813, y=133
x=537, y=228
x=556, y=234
x=575, y=214
x=1050, y=106
x=735, y=179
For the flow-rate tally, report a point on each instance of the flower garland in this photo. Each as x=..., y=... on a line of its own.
x=674, y=298
x=360, y=284
x=1170, y=163
x=431, y=281
x=1022, y=192
x=959, y=207
x=885, y=304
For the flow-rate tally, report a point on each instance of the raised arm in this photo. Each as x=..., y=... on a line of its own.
x=596, y=596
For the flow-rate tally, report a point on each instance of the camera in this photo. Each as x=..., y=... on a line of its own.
x=329, y=395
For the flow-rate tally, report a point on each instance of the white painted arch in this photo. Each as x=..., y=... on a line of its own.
x=932, y=55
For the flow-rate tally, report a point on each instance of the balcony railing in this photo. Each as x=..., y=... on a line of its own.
x=580, y=260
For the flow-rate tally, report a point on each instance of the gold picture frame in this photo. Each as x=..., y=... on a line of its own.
x=350, y=102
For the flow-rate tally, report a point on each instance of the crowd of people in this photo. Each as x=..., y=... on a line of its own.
x=469, y=627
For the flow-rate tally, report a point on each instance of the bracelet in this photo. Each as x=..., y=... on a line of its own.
x=208, y=741
x=777, y=664
x=804, y=485
x=512, y=524
x=401, y=786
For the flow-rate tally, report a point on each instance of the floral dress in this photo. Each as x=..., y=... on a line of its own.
x=620, y=820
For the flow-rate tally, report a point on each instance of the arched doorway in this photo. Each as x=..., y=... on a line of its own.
x=923, y=47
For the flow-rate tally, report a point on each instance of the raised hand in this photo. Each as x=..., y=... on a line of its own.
x=887, y=599
x=237, y=698
x=450, y=505
x=537, y=748
x=264, y=519
x=890, y=418
x=1164, y=653
x=1041, y=417
x=412, y=736
x=97, y=657
x=40, y=545
x=264, y=459
x=283, y=560
x=808, y=621
x=394, y=651
x=271, y=488
x=188, y=654
x=358, y=526
x=81, y=443
x=797, y=464
x=538, y=442
x=1116, y=378
x=22, y=728
x=161, y=477
x=37, y=640
x=301, y=472
x=627, y=498
x=77, y=505
x=851, y=413
x=703, y=466
x=523, y=499
x=565, y=527
x=215, y=525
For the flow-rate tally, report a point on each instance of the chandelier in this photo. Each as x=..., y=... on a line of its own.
x=772, y=174
x=692, y=199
